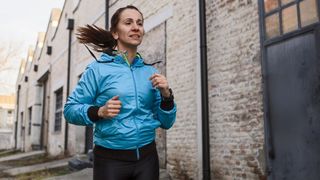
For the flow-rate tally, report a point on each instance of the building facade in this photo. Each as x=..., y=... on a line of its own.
x=243, y=73
x=7, y=103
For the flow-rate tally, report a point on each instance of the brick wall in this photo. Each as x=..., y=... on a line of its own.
x=182, y=142
x=235, y=90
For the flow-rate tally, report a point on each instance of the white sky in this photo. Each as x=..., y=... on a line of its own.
x=20, y=22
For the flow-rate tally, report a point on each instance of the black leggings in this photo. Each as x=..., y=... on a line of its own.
x=146, y=168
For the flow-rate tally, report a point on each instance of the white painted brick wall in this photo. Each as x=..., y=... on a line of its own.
x=235, y=90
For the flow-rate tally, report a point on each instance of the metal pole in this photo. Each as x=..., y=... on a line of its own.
x=17, y=118
x=204, y=92
x=70, y=28
x=107, y=15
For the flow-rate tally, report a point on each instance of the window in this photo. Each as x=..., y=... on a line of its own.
x=58, y=111
x=285, y=16
x=30, y=119
x=308, y=10
x=270, y=5
x=272, y=26
x=10, y=117
x=289, y=19
x=284, y=2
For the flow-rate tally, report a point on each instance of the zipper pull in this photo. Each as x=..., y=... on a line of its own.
x=138, y=153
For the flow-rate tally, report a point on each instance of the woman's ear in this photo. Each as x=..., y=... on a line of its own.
x=115, y=35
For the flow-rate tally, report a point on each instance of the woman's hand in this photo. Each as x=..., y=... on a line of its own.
x=111, y=108
x=160, y=82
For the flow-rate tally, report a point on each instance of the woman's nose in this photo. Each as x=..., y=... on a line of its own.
x=135, y=26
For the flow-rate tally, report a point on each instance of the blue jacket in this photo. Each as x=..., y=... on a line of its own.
x=140, y=113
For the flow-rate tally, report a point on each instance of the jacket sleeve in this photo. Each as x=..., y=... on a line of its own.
x=81, y=99
x=166, y=117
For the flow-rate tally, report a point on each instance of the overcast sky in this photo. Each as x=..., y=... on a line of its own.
x=21, y=20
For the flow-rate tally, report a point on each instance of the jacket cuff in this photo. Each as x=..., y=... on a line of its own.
x=166, y=105
x=93, y=113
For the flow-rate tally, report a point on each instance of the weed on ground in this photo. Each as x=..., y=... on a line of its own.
x=4, y=153
x=27, y=161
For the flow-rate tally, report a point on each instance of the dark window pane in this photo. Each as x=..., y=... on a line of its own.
x=289, y=19
x=270, y=5
x=57, y=123
x=308, y=12
x=58, y=112
x=272, y=26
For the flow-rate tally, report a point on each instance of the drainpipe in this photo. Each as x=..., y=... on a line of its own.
x=43, y=114
x=17, y=115
x=107, y=16
x=204, y=92
x=70, y=28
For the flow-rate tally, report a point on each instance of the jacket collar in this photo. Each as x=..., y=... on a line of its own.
x=117, y=58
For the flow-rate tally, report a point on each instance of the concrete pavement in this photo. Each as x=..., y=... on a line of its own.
x=85, y=174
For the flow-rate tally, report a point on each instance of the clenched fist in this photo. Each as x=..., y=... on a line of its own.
x=160, y=82
x=111, y=108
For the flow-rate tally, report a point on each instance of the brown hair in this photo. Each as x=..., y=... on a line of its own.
x=99, y=39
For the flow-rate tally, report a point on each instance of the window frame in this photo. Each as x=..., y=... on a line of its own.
x=58, y=110
x=279, y=10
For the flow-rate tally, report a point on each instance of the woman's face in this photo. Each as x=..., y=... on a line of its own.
x=129, y=30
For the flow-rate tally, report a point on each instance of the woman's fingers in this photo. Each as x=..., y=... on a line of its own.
x=115, y=98
x=114, y=102
x=111, y=108
x=155, y=77
x=159, y=81
x=113, y=111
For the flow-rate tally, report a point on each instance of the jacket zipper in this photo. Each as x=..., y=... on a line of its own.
x=136, y=98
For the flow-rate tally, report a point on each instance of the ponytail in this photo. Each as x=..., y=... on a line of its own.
x=99, y=39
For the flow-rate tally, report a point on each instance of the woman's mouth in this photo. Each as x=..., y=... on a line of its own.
x=135, y=36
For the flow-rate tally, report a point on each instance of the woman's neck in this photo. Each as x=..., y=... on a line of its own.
x=130, y=53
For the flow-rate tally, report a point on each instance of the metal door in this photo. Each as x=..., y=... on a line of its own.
x=45, y=111
x=293, y=93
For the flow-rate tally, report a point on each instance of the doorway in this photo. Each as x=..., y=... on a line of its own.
x=291, y=68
